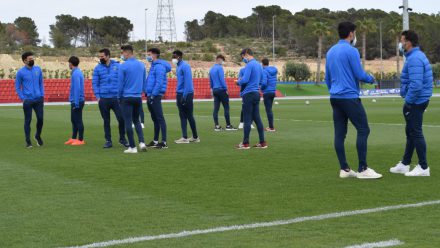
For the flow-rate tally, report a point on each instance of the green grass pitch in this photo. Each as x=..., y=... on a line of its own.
x=57, y=196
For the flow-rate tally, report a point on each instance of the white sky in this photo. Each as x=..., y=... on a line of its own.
x=44, y=11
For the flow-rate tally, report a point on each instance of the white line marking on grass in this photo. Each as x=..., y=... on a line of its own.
x=256, y=225
x=389, y=243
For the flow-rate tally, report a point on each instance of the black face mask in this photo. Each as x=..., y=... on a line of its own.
x=103, y=61
x=31, y=63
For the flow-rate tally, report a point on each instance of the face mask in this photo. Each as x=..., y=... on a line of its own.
x=149, y=59
x=175, y=61
x=221, y=62
x=401, y=49
x=354, y=41
x=246, y=60
x=103, y=61
x=31, y=63
x=123, y=58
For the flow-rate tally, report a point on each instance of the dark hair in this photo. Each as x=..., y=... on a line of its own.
x=265, y=61
x=178, y=53
x=247, y=51
x=74, y=61
x=412, y=37
x=127, y=48
x=26, y=54
x=105, y=51
x=220, y=56
x=154, y=51
x=345, y=28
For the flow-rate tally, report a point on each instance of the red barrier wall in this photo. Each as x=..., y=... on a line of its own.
x=57, y=90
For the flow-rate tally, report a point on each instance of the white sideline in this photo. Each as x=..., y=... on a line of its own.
x=256, y=225
x=389, y=243
x=210, y=100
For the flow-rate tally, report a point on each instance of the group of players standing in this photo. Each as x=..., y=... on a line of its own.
x=119, y=87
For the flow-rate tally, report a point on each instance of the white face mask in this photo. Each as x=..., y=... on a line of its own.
x=175, y=61
x=401, y=49
x=354, y=41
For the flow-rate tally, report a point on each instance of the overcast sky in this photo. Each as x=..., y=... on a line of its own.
x=44, y=11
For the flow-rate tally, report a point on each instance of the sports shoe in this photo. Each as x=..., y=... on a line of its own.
x=242, y=146
x=400, y=168
x=132, y=125
x=194, y=140
x=241, y=125
x=347, y=174
x=70, y=141
x=142, y=146
x=252, y=126
x=162, y=145
x=38, y=140
x=368, y=174
x=28, y=144
x=418, y=171
x=107, y=144
x=261, y=145
x=153, y=144
x=142, y=125
x=218, y=128
x=182, y=141
x=131, y=150
x=78, y=143
x=268, y=129
x=231, y=128
x=124, y=143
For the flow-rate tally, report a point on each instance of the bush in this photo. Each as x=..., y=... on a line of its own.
x=298, y=71
x=207, y=57
x=436, y=71
x=209, y=47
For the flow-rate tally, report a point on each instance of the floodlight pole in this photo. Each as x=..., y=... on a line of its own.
x=273, y=38
x=405, y=15
x=146, y=32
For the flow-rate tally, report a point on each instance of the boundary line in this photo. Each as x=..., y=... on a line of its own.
x=256, y=225
x=389, y=243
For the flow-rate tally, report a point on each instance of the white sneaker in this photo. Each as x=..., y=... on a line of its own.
x=131, y=150
x=400, y=168
x=252, y=126
x=418, y=171
x=132, y=126
x=368, y=174
x=345, y=174
x=241, y=125
x=193, y=140
x=182, y=141
x=142, y=125
x=142, y=146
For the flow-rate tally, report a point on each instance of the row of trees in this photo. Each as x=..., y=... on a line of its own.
x=311, y=33
x=22, y=31
x=69, y=31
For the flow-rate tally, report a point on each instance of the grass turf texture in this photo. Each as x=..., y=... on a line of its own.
x=60, y=196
